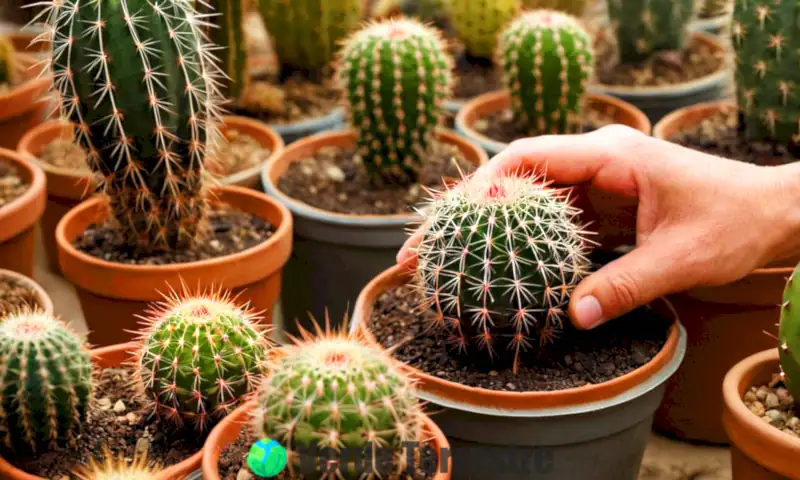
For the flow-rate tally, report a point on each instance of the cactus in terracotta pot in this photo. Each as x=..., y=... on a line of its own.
x=572, y=7
x=644, y=27
x=789, y=334
x=8, y=66
x=477, y=23
x=229, y=34
x=547, y=61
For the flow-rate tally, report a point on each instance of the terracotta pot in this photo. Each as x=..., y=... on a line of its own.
x=24, y=42
x=111, y=357
x=759, y=451
x=724, y=324
x=112, y=294
x=336, y=254
x=18, y=218
x=26, y=105
x=264, y=135
x=228, y=430
x=483, y=105
x=41, y=295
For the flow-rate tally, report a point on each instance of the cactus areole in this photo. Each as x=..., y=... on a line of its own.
x=789, y=334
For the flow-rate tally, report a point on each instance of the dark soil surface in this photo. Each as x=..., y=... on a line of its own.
x=576, y=358
x=774, y=405
x=120, y=421
x=12, y=185
x=336, y=180
x=14, y=296
x=292, y=100
x=501, y=126
x=230, y=231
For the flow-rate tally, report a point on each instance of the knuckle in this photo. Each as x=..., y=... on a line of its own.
x=624, y=291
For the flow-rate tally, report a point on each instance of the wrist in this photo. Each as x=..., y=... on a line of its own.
x=787, y=186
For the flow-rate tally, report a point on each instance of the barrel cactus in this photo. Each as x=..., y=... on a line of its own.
x=497, y=263
x=199, y=357
x=789, y=334
x=8, y=65
x=572, y=7
x=45, y=383
x=644, y=27
x=229, y=34
x=547, y=61
x=477, y=23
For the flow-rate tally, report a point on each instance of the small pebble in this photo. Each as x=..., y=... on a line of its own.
x=771, y=401
x=119, y=407
x=104, y=403
x=334, y=173
x=244, y=474
x=142, y=447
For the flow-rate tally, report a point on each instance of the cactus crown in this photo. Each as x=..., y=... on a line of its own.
x=199, y=357
x=644, y=27
x=229, y=35
x=547, y=63
x=117, y=468
x=45, y=383
x=477, y=23
x=8, y=65
x=789, y=334
x=497, y=263
x=396, y=75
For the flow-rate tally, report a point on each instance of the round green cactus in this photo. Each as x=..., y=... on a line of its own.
x=45, y=383
x=199, y=357
x=497, y=263
x=396, y=75
x=789, y=334
x=547, y=62
x=644, y=27
x=477, y=23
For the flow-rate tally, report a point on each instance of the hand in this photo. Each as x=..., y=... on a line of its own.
x=696, y=219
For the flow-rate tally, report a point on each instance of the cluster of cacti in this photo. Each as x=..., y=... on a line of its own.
x=117, y=468
x=789, y=334
x=8, y=66
x=713, y=8
x=306, y=33
x=229, y=34
x=45, y=383
x=572, y=7
x=139, y=80
x=477, y=23
x=497, y=263
x=199, y=357
x=644, y=27
x=547, y=61
x=338, y=391
x=396, y=77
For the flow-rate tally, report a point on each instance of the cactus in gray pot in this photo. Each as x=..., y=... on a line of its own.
x=644, y=27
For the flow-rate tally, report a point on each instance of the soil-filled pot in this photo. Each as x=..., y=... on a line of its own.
x=26, y=104
x=596, y=431
x=267, y=138
x=295, y=131
x=115, y=356
x=228, y=430
x=336, y=254
x=19, y=292
x=494, y=103
x=19, y=216
x=112, y=294
x=759, y=451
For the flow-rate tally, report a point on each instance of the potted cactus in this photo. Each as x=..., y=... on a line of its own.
x=18, y=292
x=713, y=17
x=547, y=62
x=351, y=191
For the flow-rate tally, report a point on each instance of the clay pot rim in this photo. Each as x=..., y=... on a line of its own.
x=668, y=358
x=271, y=174
x=274, y=142
x=44, y=298
x=30, y=85
x=17, y=216
x=215, y=443
x=25, y=147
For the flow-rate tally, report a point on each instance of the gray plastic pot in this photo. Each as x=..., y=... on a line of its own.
x=717, y=26
x=295, y=131
x=594, y=432
x=335, y=255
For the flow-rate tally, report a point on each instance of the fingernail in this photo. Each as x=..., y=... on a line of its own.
x=589, y=312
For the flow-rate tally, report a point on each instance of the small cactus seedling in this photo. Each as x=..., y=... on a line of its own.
x=644, y=27
x=571, y=7
x=199, y=357
x=477, y=23
x=547, y=62
x=45, y=383
x=338, y=391
x=117, y=468
x=497, y=263
x=8, y=65
x=396, y=75
x=229, y=35
x=789, y=334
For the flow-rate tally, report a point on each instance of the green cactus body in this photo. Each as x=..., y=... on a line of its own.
x=767, y=77
x=199, y=358
x=7, y=61
x=396, y=75
x=477, y=23
x=306, y=33
x=229, y=34
x=45, y=384
x=644, y=27
x=338, y=391
x=571, y=7
x=497, y=263
x=547, y=62
x=139, y=81
x=789, y=334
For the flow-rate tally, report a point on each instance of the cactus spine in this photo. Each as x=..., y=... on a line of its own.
x=45, y=383
x=477, y=23
x=229, y=34
x=8, y=65
x=117, y=468
x=139, y=81
x=547, y=62
x=497, y=263
x=789, y=334
x=571, y=7
x=644, y=27
x=396, y=75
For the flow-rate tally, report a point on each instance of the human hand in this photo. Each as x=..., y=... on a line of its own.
x=696, y=219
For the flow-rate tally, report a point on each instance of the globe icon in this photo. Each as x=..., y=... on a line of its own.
x=267, y=458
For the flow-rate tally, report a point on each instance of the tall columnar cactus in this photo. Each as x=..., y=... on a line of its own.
x=229, y=34
x=338, y=391
x=396, y=75
x=789, y=334
x=45, y=383
x=138, y=79
x=8, y=64
x=199, y=357
x=547, y=62
x=644, y=27
x=477, y=23
x=306, y=33
x=497, y=263
x=571, y=7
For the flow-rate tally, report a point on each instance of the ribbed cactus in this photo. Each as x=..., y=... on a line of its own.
x=117, y=468
x=764, y=35
x=199, y=357
x=336, y=390
x=644, y=27
x=396, y=77
x=547, y=62
x=477, y=23
x=8, y=64
x=789, y=334
x=497, y=263
x=138, y=79
x=306, y=33
x=45, y=383
x=571, y=7
x=229, y=34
